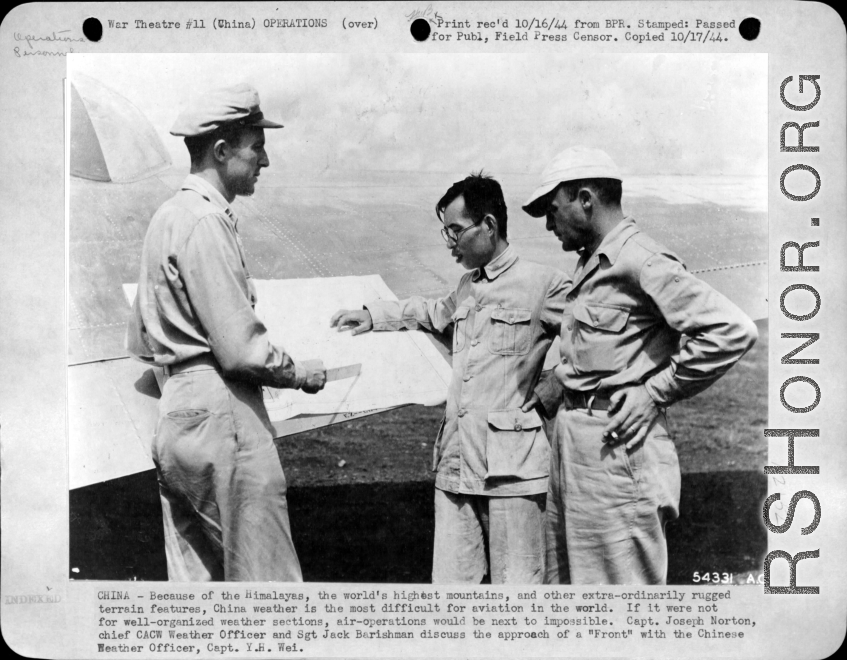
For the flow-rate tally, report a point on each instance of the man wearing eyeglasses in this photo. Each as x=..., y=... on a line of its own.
x=491, y=455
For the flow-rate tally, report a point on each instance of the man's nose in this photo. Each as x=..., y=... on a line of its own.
x=550, y=226
x=264, y=161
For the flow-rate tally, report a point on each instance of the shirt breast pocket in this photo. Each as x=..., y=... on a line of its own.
x=597, y=336
x=460, y=322
x=511, y=331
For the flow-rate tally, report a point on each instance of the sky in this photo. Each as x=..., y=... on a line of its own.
x=691, y=114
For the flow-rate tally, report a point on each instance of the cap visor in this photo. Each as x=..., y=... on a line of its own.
x=265, y=123
x=536, y=205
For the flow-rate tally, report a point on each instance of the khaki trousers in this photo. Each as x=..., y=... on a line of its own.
x=607, y=506
x=221, y=483
x=475, y=532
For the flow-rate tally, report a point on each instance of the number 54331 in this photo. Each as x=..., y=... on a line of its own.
x=714, y=578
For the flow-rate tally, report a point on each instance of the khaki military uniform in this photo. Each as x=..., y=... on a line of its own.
x=631, y=302
x=491, y=458
x=221, y=483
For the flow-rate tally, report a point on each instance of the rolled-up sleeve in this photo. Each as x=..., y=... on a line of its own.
x=415, y=313
x=718, y=333
x=210, y=266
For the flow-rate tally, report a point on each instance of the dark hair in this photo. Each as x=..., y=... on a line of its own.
x=608, y=191
x=231, y=132
x=482, y=195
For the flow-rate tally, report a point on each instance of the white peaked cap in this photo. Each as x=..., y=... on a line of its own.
x=578, y=162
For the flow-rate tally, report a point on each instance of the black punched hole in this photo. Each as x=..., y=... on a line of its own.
x=749, y=28
x=420, y=29
x=92, y=28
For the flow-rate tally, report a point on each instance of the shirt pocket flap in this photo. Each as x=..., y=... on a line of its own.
x=460, y=313
x=511, y=316
x=516, y=447
x=602, y=317
x=514, y=419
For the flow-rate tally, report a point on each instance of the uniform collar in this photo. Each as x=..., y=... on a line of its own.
x=613, y=242
x=210, y=193
x=498, y=265
x=610, y=247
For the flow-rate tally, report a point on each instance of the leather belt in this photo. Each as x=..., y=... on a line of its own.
x=201, y=362
x=588, y=400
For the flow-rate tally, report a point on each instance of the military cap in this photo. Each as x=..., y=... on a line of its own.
x=213, y=109
x=573, y=163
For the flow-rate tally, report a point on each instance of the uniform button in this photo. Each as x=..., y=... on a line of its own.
x=467, y=378
x=518, y=427
x=461, y=412
x=570, y=327
x=479, y=308
x=475, y=342
x=676, y=279
x=564, y=360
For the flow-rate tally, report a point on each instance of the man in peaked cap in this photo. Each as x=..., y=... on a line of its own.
x=614, y=474
x=221, y=483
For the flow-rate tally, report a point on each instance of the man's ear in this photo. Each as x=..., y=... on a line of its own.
x=490, y=222
x=220, y=151
x=586, y=198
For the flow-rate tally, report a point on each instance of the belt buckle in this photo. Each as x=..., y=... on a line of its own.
x=591, y=403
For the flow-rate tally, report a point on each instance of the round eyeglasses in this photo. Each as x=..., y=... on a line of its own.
x=451, y=236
